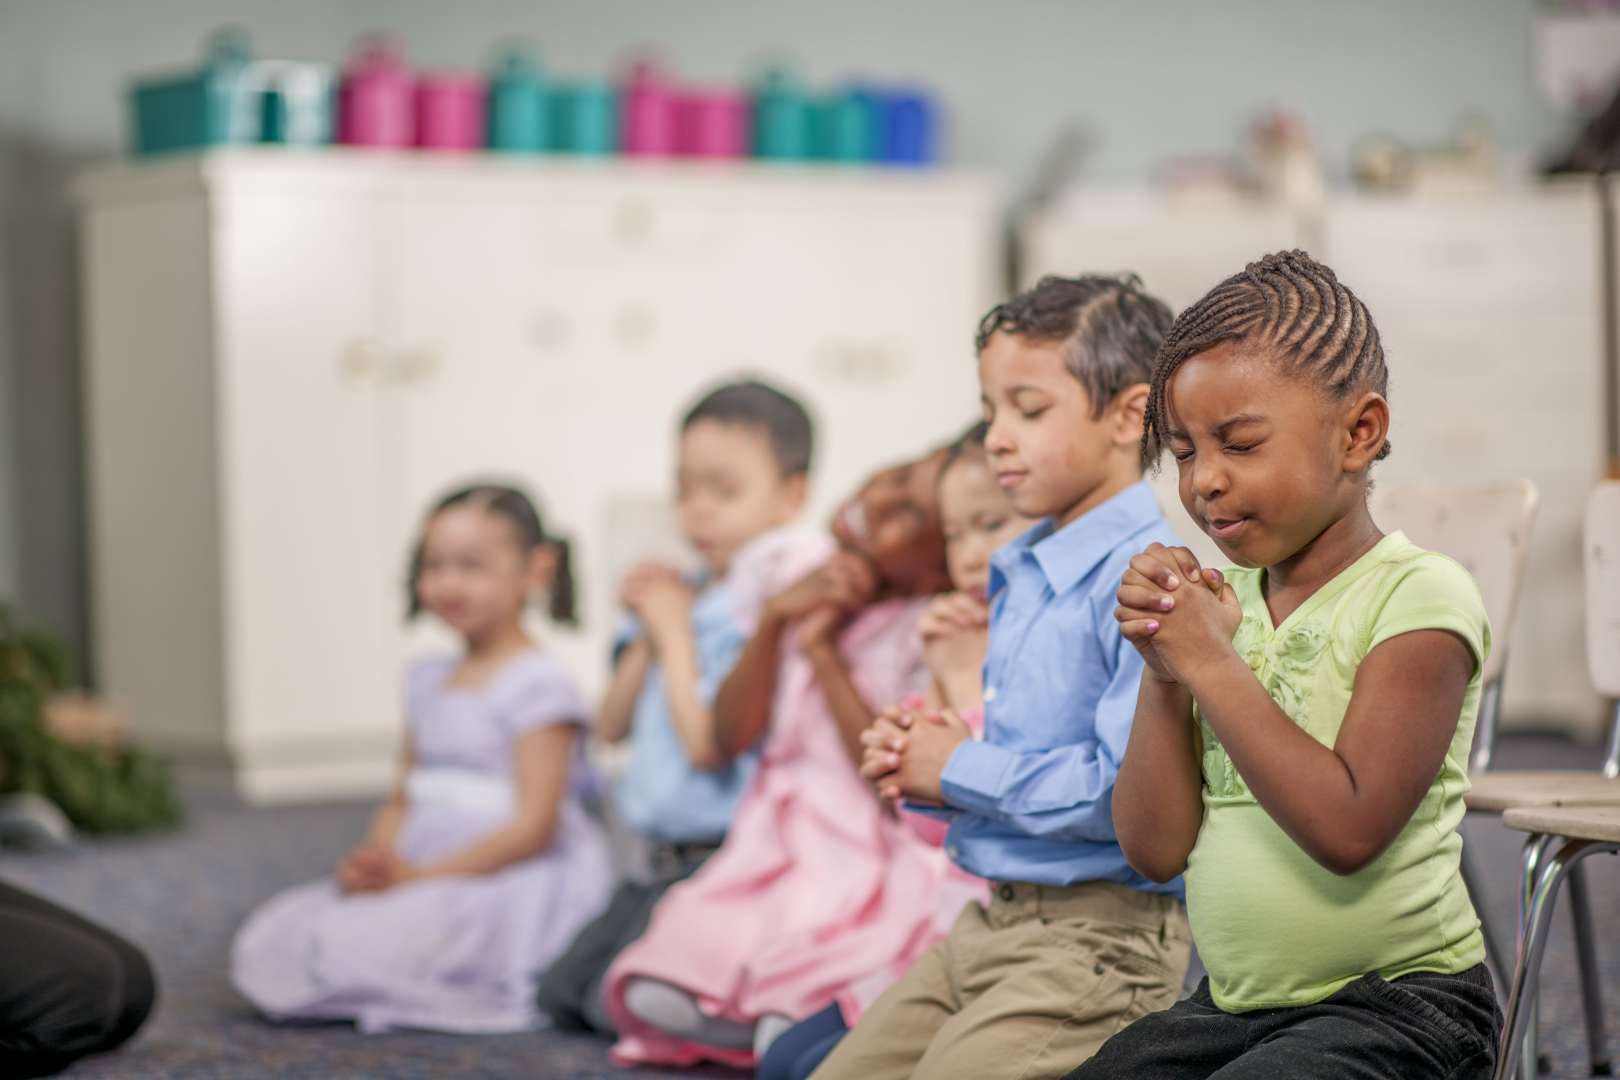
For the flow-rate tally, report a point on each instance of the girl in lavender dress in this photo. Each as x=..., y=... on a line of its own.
x=483, y=864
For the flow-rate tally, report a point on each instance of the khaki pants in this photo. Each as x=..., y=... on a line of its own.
x=1027, y=989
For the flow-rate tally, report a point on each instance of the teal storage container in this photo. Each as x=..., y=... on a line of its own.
x=782, y=119
x=297, y=102
x=214, y=105
x=585, y=119
x=847, y=127
x=233, y=99
x=519, y=112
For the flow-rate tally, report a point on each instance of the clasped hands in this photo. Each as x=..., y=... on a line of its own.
x=1178, y=632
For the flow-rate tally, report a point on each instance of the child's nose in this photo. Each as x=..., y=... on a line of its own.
x=1209, y=478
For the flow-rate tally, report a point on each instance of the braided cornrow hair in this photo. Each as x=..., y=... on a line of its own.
x=1112, y=327
x=1287, y=302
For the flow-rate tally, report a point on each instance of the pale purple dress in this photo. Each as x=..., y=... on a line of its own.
x=449, y=954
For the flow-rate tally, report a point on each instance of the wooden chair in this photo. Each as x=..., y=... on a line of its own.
x=1487, y=530
x=1565, y=836
x=1504, y=792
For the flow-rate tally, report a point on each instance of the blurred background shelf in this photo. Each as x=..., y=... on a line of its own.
x=289, y=355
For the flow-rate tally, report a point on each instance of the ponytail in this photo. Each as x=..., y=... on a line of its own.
x=561, y=608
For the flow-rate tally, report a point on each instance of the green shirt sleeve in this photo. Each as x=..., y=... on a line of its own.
x=1435, y=593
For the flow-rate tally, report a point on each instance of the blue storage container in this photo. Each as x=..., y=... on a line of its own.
x=910, y=128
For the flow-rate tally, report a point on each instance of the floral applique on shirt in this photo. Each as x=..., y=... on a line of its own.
x=1284, y=663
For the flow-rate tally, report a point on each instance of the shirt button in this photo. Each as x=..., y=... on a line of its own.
x=989, y=694
x=1005, y=892
x=1098, y=969
x=953, y=851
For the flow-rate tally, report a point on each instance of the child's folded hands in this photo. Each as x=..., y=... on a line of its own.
x=372, y=868
x=906, y=751
x=953, y=631
x=1176, y=630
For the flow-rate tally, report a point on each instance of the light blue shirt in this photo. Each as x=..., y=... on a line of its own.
x=1034, y=797
x=660, y=794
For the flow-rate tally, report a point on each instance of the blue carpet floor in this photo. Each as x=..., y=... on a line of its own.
x=182, y=895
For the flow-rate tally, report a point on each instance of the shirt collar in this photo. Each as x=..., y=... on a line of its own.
x=1066, y=555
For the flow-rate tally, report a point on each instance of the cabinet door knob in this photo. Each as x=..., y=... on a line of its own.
x=413, y=365
x=361, y=361
x=633, y=222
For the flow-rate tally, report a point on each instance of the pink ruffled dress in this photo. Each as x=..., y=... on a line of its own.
x=819, y=894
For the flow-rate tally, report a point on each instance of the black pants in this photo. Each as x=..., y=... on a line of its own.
x=1421, y=1027
x=68, y=988
x=571, y=991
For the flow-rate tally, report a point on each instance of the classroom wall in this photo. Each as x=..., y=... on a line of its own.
x=1143, y=81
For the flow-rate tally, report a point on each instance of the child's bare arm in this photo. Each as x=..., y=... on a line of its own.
x=844, y=699
x=742, y=705
x=954, y=635
x=540, y=769
x=693, y=721
x=386, y=822
x=1346, y=803
x=1158, y=796
x=619, y=702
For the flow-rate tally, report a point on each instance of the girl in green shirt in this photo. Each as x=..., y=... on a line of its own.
x=1301, y=736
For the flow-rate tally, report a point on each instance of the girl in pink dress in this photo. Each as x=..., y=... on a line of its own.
x=818, y=884
x=978, y=517
x=483, y=865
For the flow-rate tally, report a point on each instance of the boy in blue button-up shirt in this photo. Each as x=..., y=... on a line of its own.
x=1074, y=944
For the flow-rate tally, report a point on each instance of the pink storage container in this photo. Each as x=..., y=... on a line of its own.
x=450, y=111
x=376, y=101
x=648, y=121
x=713, y=123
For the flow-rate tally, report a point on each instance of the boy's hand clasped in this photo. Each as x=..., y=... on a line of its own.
x=906, y=752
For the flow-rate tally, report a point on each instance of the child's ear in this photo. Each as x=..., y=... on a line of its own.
x=1366, y=430
x=542, y=567
x=1130, y=413
x=795, y=491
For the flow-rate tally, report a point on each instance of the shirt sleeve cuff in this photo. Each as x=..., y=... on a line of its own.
x=974, y=777
x=938, y=813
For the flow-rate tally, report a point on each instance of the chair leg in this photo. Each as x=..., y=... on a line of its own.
x=1490, y=709
x=1611, y=758
x=1580, y=907
x=1536, y=849
x=1515, y=1053
x=1501, y=962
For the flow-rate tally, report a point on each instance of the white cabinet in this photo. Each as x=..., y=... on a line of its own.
x=1489, y=311
x=289, y=356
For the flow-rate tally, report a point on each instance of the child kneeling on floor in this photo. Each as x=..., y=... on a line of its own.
x=1301, y=741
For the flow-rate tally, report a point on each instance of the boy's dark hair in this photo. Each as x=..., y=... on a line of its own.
x=783, y=419
x=516, y=507
x=1112, y=327
x=1287, y=303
